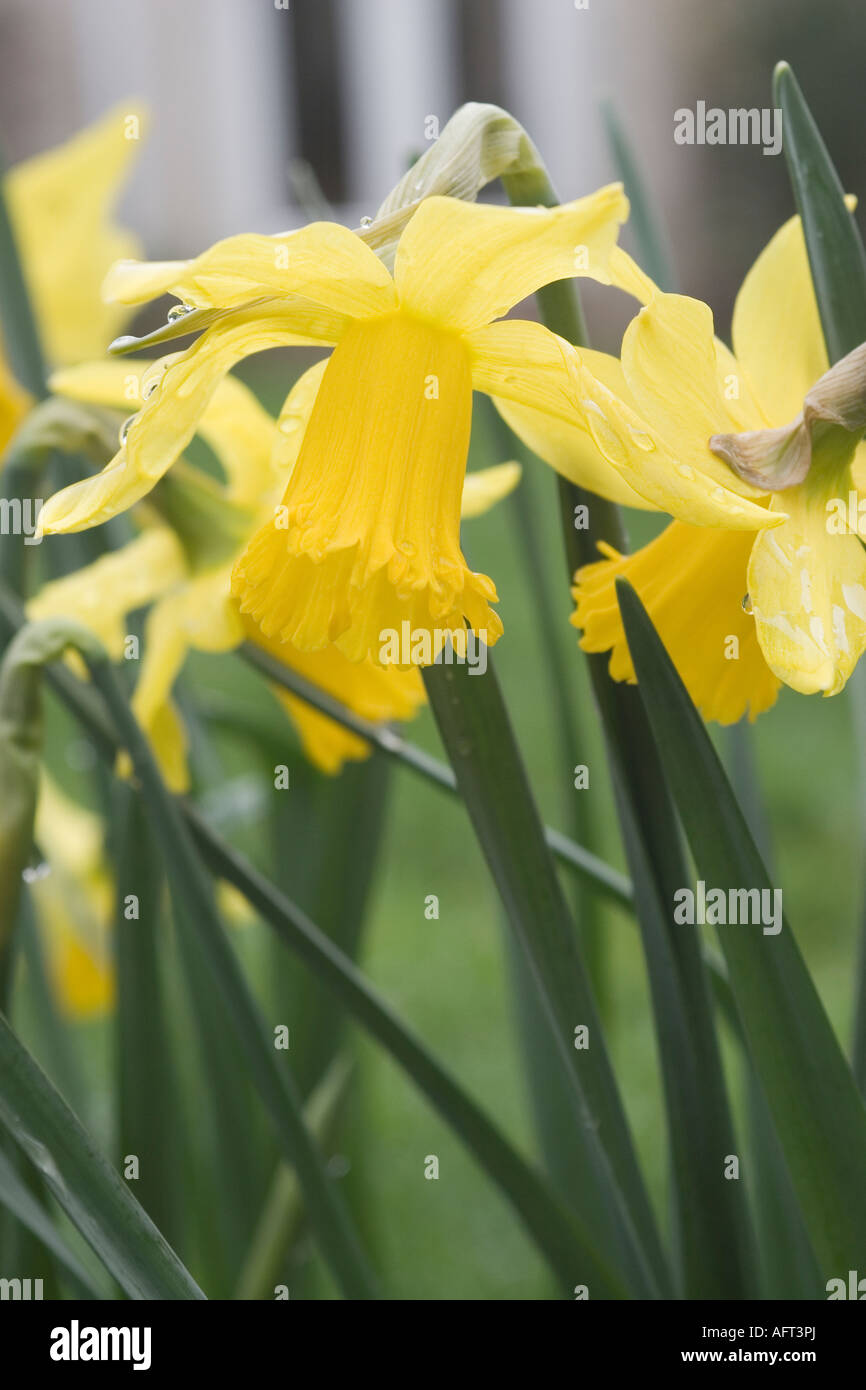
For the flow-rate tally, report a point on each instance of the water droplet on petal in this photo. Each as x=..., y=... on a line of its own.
x=366, y=221
x=747, y=603
x=152, y=379
x=685, y=470
x=125, y=428
x=34, y=872
x=179, y=311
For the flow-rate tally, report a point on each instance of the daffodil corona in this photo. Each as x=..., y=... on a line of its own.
x=366, y=534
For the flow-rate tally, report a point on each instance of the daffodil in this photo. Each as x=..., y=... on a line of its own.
x=184, y=576
x=60, y=205
x=366, y=535
x=740, y=614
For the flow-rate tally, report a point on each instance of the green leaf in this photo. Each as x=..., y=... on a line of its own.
x=91, y=1193
x=196, y=913
x=20, y=1201
x=836, y=255
x=819, y=1117
x=283, y=1210
x=555, y=1230
x=476, y=731
x=149, y=1121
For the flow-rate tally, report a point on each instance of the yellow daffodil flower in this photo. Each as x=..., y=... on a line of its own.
x=186, y=577
x=367, y=533
x=60, y=205
x=739, y=613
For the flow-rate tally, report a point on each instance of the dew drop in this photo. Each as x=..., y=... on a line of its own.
x=366, y=221
x=179, y=311
x=641, y=439
x=125, y=428
x=685, y=470
x=152, y=379
x=747, y=603
x=34, y=872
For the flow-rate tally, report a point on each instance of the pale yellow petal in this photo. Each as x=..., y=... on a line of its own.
x=487, y=486
x=322, y=262
x=169, y=418
x=564, y=440
x=102, y=594
x=294, y=418
x=627, y=275
x=464, y=264
x=166, y=643
x=61, y=207
x=678, y=375
x=777, y=329
x=807, y=590
x=655, y=471
x=524, y=362
x=234, y=423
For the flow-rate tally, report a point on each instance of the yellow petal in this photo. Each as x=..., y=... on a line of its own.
x=807, y=588
x=368, y=532
x=80, y=968
x=61, y=204
x=627, y=275
x=322, y=262
x=377, y=693
x=14, y=404
x=521, y=361
x=235, y=425
x=166, y=643
x=692, y=581
x=294, y=418
x=463, y=264
x=102, y=594
x=563, y=439
x=71, y=836
x=655, y=471
x=487, y=486
x=169, y=418
x=678, y=375
x=776, y=328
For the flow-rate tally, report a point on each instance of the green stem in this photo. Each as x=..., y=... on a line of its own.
x=713, y=1239
x=390, y=741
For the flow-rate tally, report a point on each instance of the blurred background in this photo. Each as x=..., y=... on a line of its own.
x=241, y=90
